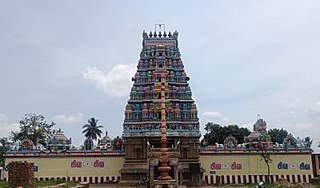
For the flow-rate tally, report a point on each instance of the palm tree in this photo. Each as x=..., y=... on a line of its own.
x=91, y=129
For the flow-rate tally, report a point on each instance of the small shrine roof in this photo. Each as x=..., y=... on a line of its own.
x=58, y=139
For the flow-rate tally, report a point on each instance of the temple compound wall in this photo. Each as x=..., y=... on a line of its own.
x=223, y=167
x=249, y=167
x=94, y=167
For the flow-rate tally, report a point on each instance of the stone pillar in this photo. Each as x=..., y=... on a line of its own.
x=151, y=178
x=180, y=180
x=176, y=176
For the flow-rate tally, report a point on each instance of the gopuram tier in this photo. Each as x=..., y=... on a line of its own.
x=161, y=125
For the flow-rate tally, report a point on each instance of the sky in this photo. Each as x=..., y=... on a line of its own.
x=72, y=60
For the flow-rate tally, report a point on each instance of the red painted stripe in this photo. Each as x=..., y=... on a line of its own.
x=244, y=179
x=211, y=179
x=239, y=179
x=299, y=178
x=293, y=178
x=233, y=179
x=218, y=181
x=260, y=177
x=304, y=178
x=288, y=178
x=206, y=179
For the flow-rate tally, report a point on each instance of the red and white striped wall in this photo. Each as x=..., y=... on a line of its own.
x=243, y=179
x=89, y=179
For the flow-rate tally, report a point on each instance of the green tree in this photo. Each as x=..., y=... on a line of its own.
x=307, y=141
x=3, y=149
x=277, y=135
x=34, y=127
x=238, y=132
x=213, y=133
x=92, y=129
x=216, y=133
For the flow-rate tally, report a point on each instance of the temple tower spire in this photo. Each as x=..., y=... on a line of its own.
x=161, y=126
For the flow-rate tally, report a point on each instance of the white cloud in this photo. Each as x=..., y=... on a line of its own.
x=5, y=130
x=64, y=119
x=212, y=115
x=115, y=83
x=5, y=127
x=248, y=125
x=215, y=117
x=3, y=119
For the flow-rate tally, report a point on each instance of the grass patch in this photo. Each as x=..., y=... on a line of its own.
x=70, y=184
x=47, y=183
x=55, y=182
x=4, y=184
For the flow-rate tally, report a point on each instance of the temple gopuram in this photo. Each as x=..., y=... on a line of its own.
x=161, y=96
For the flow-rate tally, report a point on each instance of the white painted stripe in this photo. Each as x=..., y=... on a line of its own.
x=258, y=178
x=247, y=178
x=236, y=179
